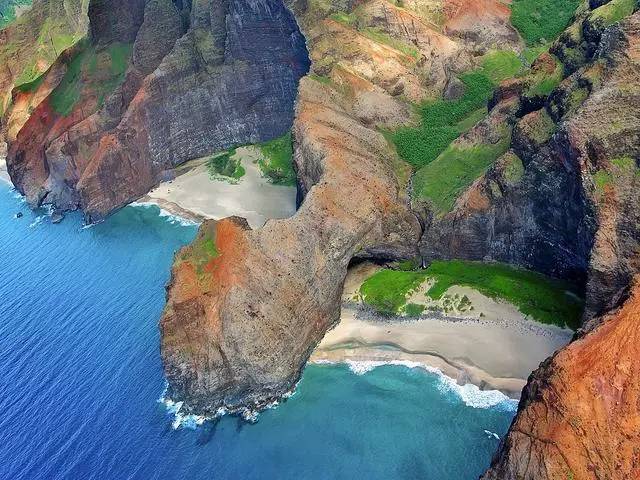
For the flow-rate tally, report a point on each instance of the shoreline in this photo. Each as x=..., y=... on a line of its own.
x=493, y=350
x=193, y=194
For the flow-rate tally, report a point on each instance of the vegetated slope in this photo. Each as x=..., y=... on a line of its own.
x=155, y=85
x=29, y=45
x=549, y=175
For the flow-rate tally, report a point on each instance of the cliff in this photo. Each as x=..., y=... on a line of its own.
x=563, y=197
x=245, y=308
x=578, y=415
x=29, y=45
x=156, y=83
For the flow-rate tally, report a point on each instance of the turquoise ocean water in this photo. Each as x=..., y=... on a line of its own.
x=80, y=378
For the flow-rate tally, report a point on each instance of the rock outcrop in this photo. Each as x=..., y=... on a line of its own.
x=196, y=79
x=578, y=415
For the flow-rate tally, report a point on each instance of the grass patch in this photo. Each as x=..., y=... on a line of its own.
x=545, y=299
x=91, y=72
x=443, y=180
x=201, y=252
x=380, y=36
x=541, y=21
x=414, y=309
x=613, y=12
x=31, y=86
x=442, y=121
x=514, y=168
x=602, y=179
x=386, y=291
x=500, y=65
x=224, y=164
x=542, y=83
x=277, y=160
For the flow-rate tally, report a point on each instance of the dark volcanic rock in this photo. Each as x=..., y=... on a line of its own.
x=199, y=80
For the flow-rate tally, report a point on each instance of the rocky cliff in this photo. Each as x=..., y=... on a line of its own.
x=245, y=308
x=578, y=415
x=156, y=83
x=29, y=45
x=563, y=198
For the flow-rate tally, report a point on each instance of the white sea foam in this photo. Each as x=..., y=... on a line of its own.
x=37, y=221
x=492, y=435
x=170, y=217
x=469, y=393
x=180, y=420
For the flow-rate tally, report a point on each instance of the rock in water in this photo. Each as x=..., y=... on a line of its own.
x=246, y=308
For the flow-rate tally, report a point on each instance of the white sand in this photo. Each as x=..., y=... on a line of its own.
x=253, y=197
x=496, y=351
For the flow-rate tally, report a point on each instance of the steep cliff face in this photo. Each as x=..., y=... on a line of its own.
x=29, y=45
x=245, y=308
x=159, y=85
x=563, y=199
x=578, y=415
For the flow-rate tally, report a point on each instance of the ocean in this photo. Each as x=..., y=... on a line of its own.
x=81, y=378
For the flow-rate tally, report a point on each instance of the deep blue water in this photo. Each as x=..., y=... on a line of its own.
x=80, y=378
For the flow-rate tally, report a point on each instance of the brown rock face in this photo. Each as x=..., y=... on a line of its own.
x=579, y=414
x=240, y=325
x=28, y=48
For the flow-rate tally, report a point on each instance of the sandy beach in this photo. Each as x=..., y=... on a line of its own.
x=195, y=195
x=497, y=351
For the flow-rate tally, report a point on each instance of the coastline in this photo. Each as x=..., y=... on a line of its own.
x=497, y=352
x=4, y=174
x=493, y=350
x=490, y=355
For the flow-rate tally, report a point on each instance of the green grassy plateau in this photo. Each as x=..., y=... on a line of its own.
x=544, y=299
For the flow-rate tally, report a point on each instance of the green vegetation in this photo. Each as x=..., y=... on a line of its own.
x=602, y=179
x=542, y=83
x=320, y=78
x=513, y=168
x=386, y=291
x=201, y=252
x=442, y=121
x=444, y=179
x=541, y=21
x=224, y=164
x=277, y=160
x=613, y=12
x=625, y=164
x=414, y=309
x=91, y=72
x=545, y=299
x=379, y=36
x=501, y=64
x=8, y=10
x=31, y=86
x=374, y=33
